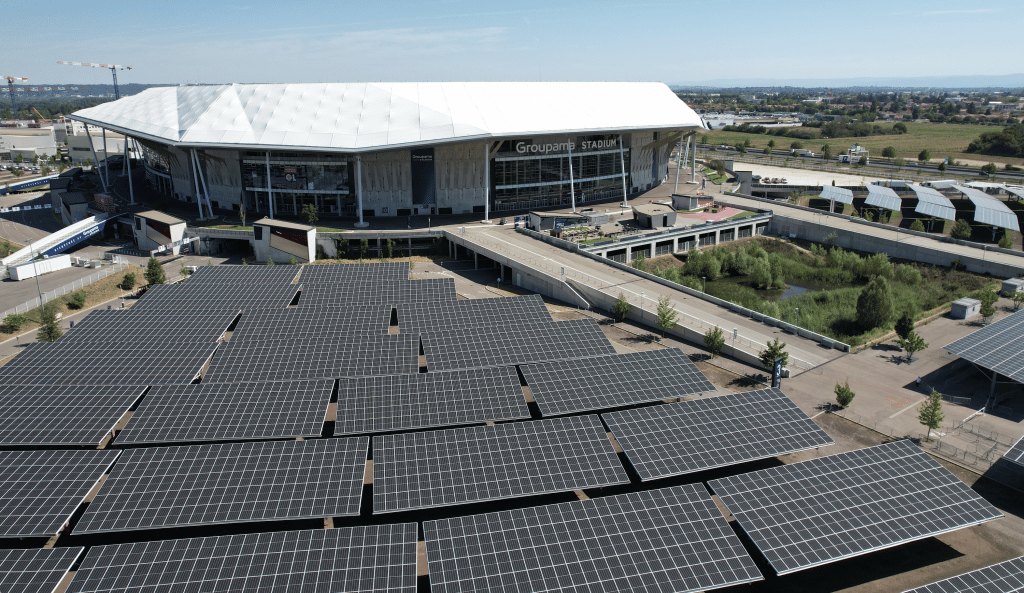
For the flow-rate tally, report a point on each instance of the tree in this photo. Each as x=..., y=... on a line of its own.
x=128, y=282
x=796, y=145
x=714, y=340
x=771, y=144
x=912, y=343
x=389, y=248
x=293, y=261
x=767, y=150
x=988, y=299
x=924, y=156
x=862, y=161
x=771, y=352
x=942, y=167
x=1006, y=241
x=241, y=212
x=761, y=273
x=666, y=314
x=889, y=152
x=15, y=321
x=364, y=248
x=703, y=138
x=930, y=413
x=904, y=325
x=77, y=300
x=917, y=225
x=270, y=262
x=622, y=307
x=155, y=273
x=1017, y=298
x=844, y=395
x=826, y=152
x=49, y=331
x=740, y=148
x=961, y=229
x=875, y=305
x=639, y=262
x=989, y=168
x=309, y=214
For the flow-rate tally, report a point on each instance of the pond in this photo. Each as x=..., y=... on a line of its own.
x=793, y=290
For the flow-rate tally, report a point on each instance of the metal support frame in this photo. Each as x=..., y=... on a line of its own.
x=693, y=163
x=487, y=182
x=359, y=192
x=270, y=192
x=96, y=159
x=131, y=190
x=679, y=162
x=195, y=179
x=106, y=153
x=622, y=167
x=202, y=178
x=572, y=182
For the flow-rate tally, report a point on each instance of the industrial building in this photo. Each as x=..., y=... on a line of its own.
x=360, y=149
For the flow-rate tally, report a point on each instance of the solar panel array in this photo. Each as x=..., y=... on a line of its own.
x=448, y=315
x=614, y=380
x=149, y=329
x=349, y=273
x=839, y=194
x=932, y=203
x=826, y=509
x=692, y=436
x=335, y=296
x=246, y=297
x=990, y=210
x=311, y=324
x=1016, y=452
x=406, y=402
x=673, y=539
x=297, y=359
x=457, y=466
x=236, y=482
x=375, y=558
x=35, y=571
x=62, y=415
x=40, y=490
x=883, y=197
x=1004, y=577
x=229, y=411
x=502, y=346
x=998, y=347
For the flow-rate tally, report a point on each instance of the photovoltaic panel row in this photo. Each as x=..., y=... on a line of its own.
x=312, y=324
x=446, y=315
x=839, y=194
x=998, y=347
x=424, y=400
x=187, y=298
x=244, y=275
x=163, y=487
x=502, y=346
x=229, y=411
x=372, y=559
x=989, y=209
x=932, y=203
x=62, y=415
x=35, y=571
x=1004, y=577
x=40, y=490
x=827, y=509
x=603, y=382
x=674, y=539
x=349, y=273
x=883, y=197
x=462, y=465
x=336, y=296
x=691, y=436
x=1016, y=452
x=142, y=329
x=67, y=363
x=299, y=359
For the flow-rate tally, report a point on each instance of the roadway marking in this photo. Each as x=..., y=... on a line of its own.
x=911, y=405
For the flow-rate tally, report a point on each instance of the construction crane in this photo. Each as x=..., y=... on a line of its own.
x=10, y=89
x=112, y=67
x=42, y=119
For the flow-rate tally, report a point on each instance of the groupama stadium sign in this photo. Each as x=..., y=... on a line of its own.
x=524, y=148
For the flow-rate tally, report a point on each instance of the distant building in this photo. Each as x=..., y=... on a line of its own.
x=154, y=230
x=654, y=216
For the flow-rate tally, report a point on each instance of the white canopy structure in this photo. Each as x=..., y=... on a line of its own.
x=932, y=203
x=883, y=197
x=837, y=194
x=989, y=210
x=367, y=117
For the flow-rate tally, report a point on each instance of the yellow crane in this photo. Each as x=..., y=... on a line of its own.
x=42, y=119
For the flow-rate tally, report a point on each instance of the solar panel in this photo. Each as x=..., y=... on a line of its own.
x=208, y=484
x=445, y=315
x=692, y=436
x=674, y=539
x=1004, y=577
x=299, y=359
x=229, y=411
x=990, y=210
x=826, y=509
x=347, y=273
x=615, y=380
x=998, y=346
x=457, y=466
x=932, y=203
x=375, y=558
x=839, y=194
x=40, y=490
x=145, y=329
x=883, y=197
x=335, y=296
x=1014, y=190
x=424, y=400
x=311, y=324
x=35, y=571
x=1016, y=453
x=62, y=415
x=469, y=348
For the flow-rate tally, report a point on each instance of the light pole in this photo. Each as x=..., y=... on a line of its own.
x=703, y=283
x=35, y=269
x=798, y=316
x=641, y=305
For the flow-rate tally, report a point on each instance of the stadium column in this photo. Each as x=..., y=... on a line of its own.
x=270, y=191
x=487, y=181
x=679, y=161
x=131, y=190
x=359, y=192
x=95, y=159
x=195, y=180
x=572, y=182
x=106, y=154
x=622, y=167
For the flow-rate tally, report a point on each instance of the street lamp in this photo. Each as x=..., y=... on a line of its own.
x=35, y=269
x=798, y=316
x=703, y=283
x=641, y=304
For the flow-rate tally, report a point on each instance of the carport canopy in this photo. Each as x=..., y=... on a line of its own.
x=837, y=194
x=932, y=203
x=883, y=197
x=989, y=210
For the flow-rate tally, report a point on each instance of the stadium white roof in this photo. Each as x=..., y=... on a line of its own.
x=364, y=117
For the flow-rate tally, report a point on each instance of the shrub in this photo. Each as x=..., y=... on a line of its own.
x=875, y=306
x=1006, y=241
x=907, y=275
x=77, y=300
x=714, y=340
x=961, y=229
x=621, y=308
x=15, y=321
x=128, y=282
x=772, y=351
x=155, y=272
x=844, y=395
x=917, y=225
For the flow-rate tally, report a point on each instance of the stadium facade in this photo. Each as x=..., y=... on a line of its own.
x=397, y=149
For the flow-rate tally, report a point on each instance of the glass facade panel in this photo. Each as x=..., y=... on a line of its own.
x=324, y=181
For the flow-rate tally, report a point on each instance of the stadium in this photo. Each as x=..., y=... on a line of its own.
x=400, y=149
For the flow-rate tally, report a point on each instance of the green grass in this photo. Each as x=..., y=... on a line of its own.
x=714, y=176
x=742, y=215
x=591, y=241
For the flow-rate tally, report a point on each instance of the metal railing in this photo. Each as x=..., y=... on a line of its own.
x=67, y=288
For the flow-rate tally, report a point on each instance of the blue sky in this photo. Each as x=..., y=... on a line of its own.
x=237, y=41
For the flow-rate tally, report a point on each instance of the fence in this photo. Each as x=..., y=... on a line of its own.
x=964, y=402
x=63, y=290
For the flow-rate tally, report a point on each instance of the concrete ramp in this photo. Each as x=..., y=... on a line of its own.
x=59, y=242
